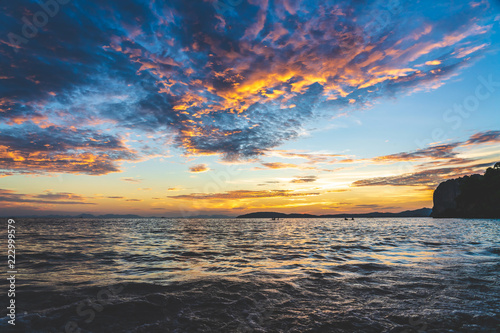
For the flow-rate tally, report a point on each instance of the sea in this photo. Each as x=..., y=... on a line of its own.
x=254, y=275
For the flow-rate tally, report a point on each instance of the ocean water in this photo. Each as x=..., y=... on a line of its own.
x=256, y=275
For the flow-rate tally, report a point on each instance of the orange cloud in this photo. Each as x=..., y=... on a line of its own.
x=199, y=168
x=279, y=165
x=244, y=194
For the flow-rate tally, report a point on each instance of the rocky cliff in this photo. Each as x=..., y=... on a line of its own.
x=473, y=196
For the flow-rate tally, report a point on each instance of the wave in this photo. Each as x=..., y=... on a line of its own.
x=320, y=302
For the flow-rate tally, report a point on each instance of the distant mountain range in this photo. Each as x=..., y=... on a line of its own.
x=423, y=212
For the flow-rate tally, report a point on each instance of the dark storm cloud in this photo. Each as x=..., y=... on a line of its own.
x=236, y=84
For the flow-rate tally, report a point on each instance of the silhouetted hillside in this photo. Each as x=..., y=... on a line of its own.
x=423, y=212
x=473, y=196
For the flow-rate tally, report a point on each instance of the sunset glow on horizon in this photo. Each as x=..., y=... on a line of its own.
x=183, y=108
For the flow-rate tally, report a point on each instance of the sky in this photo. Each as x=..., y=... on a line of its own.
x=180, y=108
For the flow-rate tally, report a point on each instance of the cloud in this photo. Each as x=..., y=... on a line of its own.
x=445, y=163
x=199, y=168
x=243, y=194
x=369, y=206
x=435, y=152
x=484, y=137
x=348, y=160
x=304, y=179
x=48, y=195
x=131, y=179
x=47, y=198
x=30, y=149
x=269, y=182
x=453, y=162
x=429, y=177
x=445, y=152
x=237, y=85
x=279, y=165
x=312, y=158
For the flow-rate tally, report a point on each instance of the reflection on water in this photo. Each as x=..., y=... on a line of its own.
x=293, y=274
